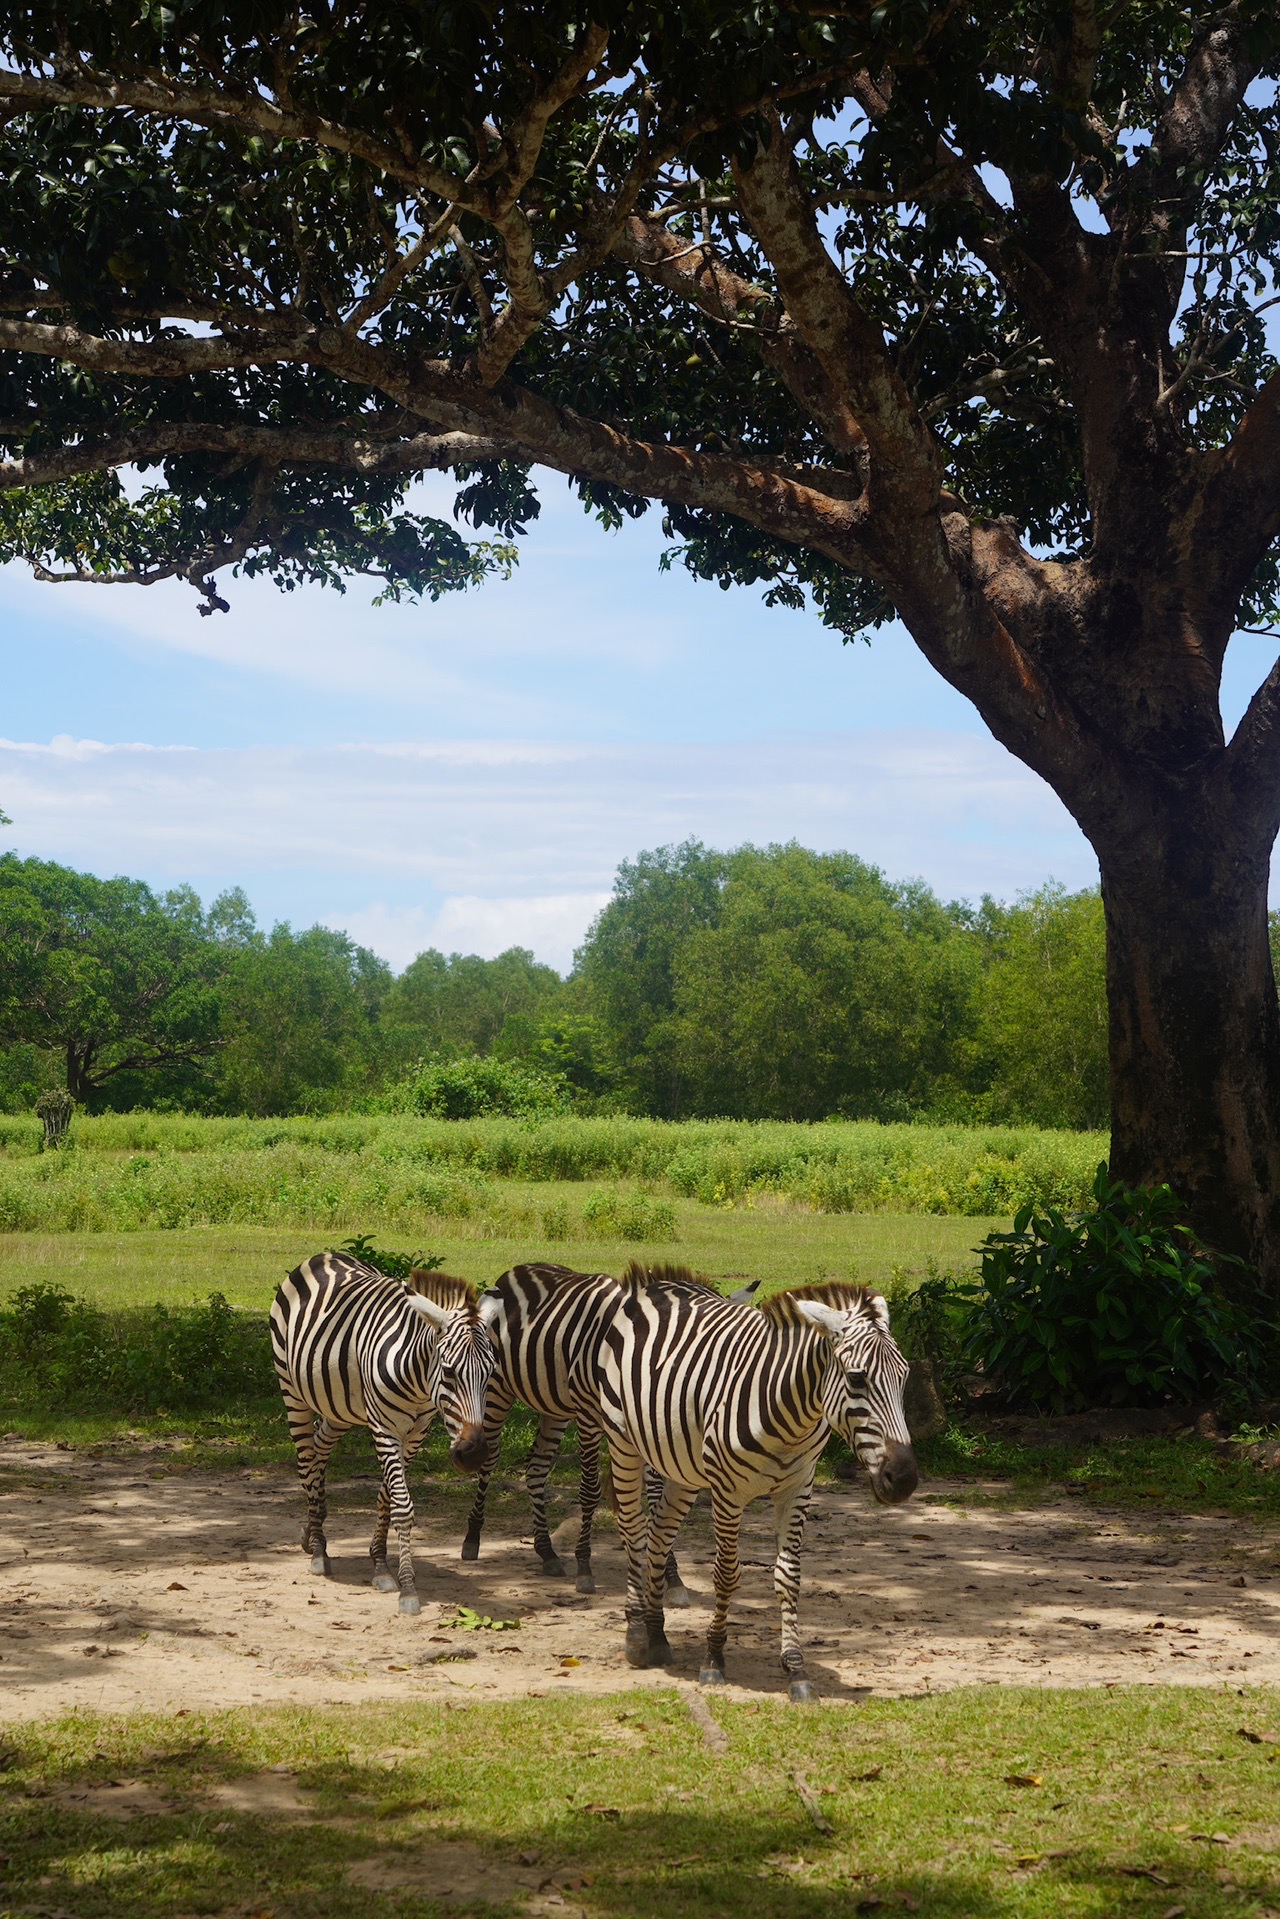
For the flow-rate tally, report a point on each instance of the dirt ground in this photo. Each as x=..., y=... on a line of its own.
x=126, y=1584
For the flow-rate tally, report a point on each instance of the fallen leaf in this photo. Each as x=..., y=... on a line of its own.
x=602, y=1812
x=1213, y=1838
x=1144, y=1872
x=529, y=1858
x=1259, y=1738
x=469, y=1620
x=1023, y=1779
x=872, y=1772
x=175, y=1586
x=567, y=1659
x=1239, y=1580
x=1174, y=1912
x=397, y=1669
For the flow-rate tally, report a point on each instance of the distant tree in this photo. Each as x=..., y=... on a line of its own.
x=1042, y=1008
x=301, y=1022
x=464, y=1004
x=822, y=988
x=627, y=965
x=114, y=978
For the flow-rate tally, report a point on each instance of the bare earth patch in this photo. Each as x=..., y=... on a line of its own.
x=124, y=1585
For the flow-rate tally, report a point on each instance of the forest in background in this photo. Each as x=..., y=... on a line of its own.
x=763, y=983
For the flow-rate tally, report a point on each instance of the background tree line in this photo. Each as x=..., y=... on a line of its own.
x=763, y=983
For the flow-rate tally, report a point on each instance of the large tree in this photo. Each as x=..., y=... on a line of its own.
x=951, y=311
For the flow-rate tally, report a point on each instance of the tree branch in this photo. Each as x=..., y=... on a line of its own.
x=904, y=475
x=283, y=446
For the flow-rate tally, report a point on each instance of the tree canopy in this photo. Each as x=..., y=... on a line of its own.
x=950, y=311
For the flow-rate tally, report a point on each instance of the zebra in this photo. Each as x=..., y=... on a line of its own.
x=708, y=1394
x=545, y=1338
x=355, y=1348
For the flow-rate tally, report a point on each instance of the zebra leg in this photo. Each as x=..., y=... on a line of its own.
x=384, y=1580
x=626, y=1481
x=791, y=1505
x=391, y=1457
x=727, y=1521
x=497, y=1406
x=674, y=1502
x=677, y=1593
x=588, y=1500
x=313, y=1441
x=536, y=1470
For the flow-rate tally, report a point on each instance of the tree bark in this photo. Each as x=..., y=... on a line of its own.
x=1195, y=1026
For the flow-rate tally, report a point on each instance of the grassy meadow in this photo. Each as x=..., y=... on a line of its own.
x=503, y=1179
x=989, y=1803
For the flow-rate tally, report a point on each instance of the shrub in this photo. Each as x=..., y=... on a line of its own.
x=442, y=1088
x=55, y=1347
x=383, y=1260
x=634, y=1217
x=1116, y=1305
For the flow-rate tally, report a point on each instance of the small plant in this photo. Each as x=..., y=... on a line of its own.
x=468, y=1620
x=616, y=1216
x=394, y=1265
x=1116, y=1305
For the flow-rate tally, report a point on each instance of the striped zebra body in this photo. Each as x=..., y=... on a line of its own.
x=546, y=1338
x=708, y=1393
x=545, y=1333
x=354, y=1348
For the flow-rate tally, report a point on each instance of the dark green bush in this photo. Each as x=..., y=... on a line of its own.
x=56, y=1349
x=383, y=1260
x=1116, y=1305
x=443, y=1088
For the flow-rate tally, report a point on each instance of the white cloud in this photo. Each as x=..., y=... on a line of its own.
x=484, y=843
x=552, y=924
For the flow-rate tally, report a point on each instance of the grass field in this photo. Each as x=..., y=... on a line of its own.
x=247, y=1263
x=974, y=1805
x=501, y=1179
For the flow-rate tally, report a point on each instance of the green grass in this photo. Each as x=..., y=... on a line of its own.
x=124, y=1172
x=247, y=1263
x=638, y=1817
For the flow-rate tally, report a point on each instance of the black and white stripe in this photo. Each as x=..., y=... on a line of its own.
x=709, y=1393
x=546, y=1337
x=354, y=1348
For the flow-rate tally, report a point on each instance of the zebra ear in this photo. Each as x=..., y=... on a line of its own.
x=824, y=1317
x=438, y=1315
x=490, y=1311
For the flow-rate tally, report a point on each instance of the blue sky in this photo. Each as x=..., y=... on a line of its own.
x=469, y=774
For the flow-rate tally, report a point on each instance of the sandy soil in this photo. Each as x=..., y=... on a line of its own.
x=127, y=1584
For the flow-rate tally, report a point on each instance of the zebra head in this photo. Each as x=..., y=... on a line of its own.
x=458, y=1369
x=862, y=1390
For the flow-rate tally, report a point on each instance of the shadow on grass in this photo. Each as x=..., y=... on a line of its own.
x=622, y=1814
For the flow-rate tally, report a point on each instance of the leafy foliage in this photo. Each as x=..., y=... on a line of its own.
x=57, y=1348
x=467, y=1088
x=383, y=1260
x=1117, y=1305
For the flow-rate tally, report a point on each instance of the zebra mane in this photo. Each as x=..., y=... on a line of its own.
x=638, y=1275
x=442, y=1289
x=839, y=1294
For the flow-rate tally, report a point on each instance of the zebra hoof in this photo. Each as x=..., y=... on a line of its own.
x=658, y=1652
x=553, y=1568
x=322, y=1565
x=585, y=1582
x=712, y=1676
x=803, y=1692
x=470, y=1547
x=385, y=1582
x=678, y=1596
x=410, y=1605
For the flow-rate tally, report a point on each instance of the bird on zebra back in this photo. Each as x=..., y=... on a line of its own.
x=355, y=1348
x=545, y=1337
x=708, y=1393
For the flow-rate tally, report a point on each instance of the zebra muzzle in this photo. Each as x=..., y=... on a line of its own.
x=468, y=1449
x=897, y=1476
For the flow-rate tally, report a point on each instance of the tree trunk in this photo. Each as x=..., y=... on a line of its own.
x=1195, y=1029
